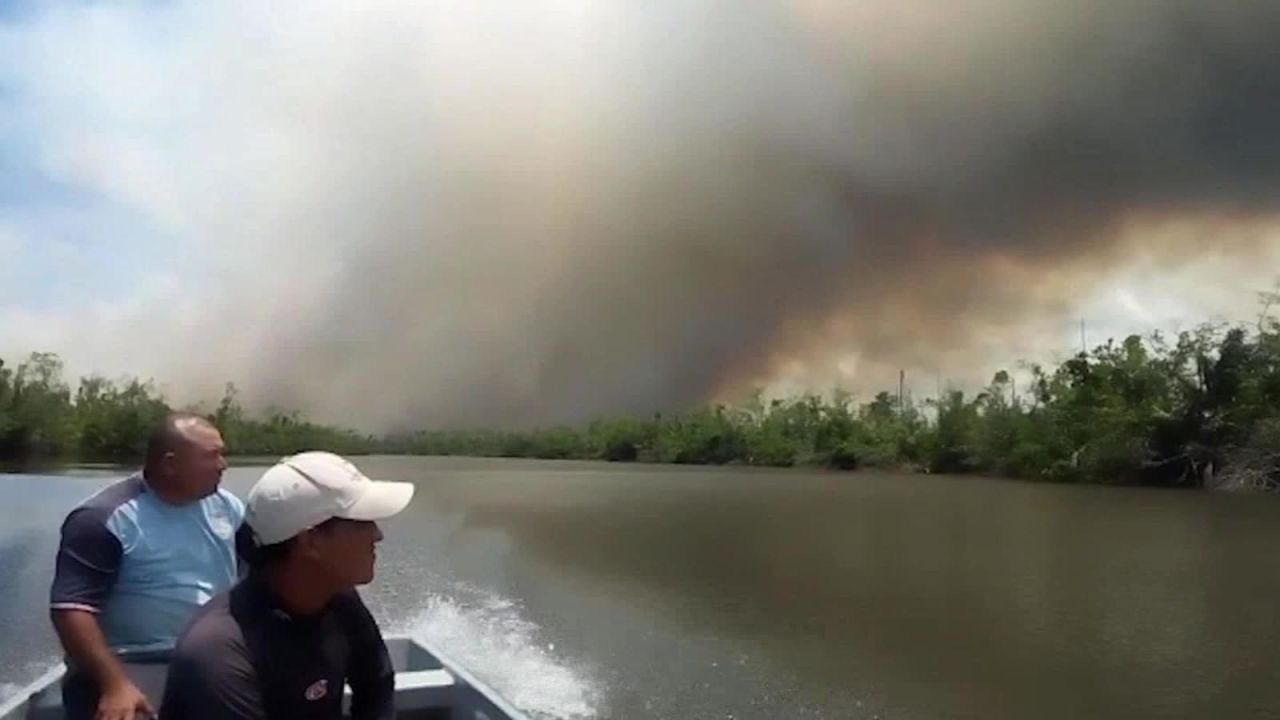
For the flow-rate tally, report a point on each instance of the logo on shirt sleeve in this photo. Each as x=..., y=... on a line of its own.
x=317, y=690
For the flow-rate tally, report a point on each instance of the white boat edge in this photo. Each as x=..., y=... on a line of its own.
x=467, y=695
x=20, y=699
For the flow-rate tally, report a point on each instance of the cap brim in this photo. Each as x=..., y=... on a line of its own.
x=381, y=500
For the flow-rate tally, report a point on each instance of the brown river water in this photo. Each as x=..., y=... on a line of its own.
x=629, y=591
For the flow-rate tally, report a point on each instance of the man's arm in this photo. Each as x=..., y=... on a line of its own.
x=372, y=679
x=85, y=572
x=86, y=646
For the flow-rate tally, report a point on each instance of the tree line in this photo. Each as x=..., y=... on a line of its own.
x=42, y=419
x=1201, y=408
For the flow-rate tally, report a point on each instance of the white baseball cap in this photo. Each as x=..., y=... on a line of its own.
x=303, y=490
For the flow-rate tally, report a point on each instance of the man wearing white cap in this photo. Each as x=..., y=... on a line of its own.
x=282, y=643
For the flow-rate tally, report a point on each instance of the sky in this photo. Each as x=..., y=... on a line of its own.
x=432, y=214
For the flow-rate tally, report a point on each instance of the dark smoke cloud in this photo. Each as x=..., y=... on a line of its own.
x=536, y=212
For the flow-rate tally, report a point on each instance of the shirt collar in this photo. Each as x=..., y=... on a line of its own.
x=263, y=600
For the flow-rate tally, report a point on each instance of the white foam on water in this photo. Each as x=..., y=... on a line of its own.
x=490, y=638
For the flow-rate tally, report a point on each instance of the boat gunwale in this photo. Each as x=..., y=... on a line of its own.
x=21, y=700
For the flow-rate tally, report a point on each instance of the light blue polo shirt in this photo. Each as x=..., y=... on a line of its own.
x=142, y=565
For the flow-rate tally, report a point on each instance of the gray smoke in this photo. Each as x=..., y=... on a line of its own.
x=507, y=212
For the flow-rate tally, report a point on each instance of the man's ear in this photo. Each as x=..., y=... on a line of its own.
x=169, y=462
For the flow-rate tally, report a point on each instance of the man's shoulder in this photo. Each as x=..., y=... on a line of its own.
x=224, y=501
x=212, y=634
x=98, y=508
x=114, y=495
x=210, y=664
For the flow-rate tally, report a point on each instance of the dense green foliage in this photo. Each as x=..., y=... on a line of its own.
x=1203, y=408
x=40, y=418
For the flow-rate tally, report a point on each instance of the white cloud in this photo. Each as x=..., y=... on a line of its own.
x=12, y=245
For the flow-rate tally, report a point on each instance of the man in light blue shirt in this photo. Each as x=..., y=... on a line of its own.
x=135, y=562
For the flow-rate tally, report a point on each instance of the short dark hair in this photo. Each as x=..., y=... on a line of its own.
x=260, y=557
x=169, y=436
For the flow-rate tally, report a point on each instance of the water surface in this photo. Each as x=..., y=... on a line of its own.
x=596, y=590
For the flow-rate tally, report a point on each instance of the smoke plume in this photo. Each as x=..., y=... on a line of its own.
x=396, y=214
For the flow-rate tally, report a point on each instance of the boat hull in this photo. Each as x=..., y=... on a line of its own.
x=428, y=685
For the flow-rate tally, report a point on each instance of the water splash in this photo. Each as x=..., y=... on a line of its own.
x=491, y=638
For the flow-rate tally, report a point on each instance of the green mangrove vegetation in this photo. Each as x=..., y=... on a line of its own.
x=1201, y=408
x=43, y=419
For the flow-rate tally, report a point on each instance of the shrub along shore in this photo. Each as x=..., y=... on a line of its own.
x=1201, y=409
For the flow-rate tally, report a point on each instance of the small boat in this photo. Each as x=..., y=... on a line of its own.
x=428, y=686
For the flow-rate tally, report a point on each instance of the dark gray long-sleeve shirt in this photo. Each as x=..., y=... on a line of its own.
x=244, y=658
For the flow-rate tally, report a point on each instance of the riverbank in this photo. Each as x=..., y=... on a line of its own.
x=1199, y=411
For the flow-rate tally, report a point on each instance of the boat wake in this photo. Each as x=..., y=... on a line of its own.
x=488, y=636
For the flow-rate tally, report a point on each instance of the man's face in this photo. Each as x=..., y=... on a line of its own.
x=348, y=551
x=198, y=464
